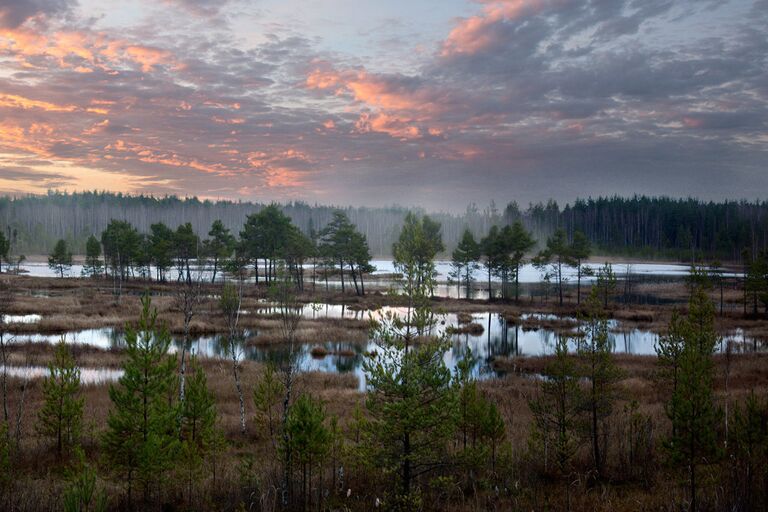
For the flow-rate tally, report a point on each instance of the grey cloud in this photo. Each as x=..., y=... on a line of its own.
x=15, y=12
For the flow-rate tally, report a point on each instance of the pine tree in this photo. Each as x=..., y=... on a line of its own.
x=464, y=259
x=520, y=242
x=61, y=415
x=220, y=246
x=5, y=248
x=93, y=266
x=411, y=399
x=748, y=450
x=556, y=255
x=307, y=439
x=605, y=283
x=266, y=398
x=141, y=441
x=580, y=250
x=598, y=367
x=557, y=410
x=692, y=409
x=60, y=260
x=198, y=424
x=83, y=494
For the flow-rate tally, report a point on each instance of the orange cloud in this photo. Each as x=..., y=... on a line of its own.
x=475, y=34
x=74, y=49
x=383, y=123
x=20, y=102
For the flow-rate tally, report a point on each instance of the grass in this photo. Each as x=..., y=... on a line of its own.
x=80, y=304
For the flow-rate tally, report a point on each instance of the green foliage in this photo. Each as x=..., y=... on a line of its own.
x=756, y=281
x=411, y=402
x=161, y=248
x=219, y=246
x=141, y=440
x=265, y=235
x=605, y=283
x=557, y=411
x=748, y=449
x=5, y=247
x=267, y=395
x=464, y=260
x=554, y=257
x=414, y=253
x=83, y=494
x=198, y=424
x=186, y=247
x=597, y=366
x=341, y=243
x=6, y=469
x=308, y=438
x=580, y=250
x=692, y=410
x=61, y=415
x=122, y=243
x=93, y=265
x=519, y=243
x=60, y=260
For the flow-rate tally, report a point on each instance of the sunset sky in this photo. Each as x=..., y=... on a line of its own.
x=421, y=102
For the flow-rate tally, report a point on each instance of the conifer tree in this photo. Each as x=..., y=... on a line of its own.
x=83, y=494
x=692, y=409
x=266, y=398
x=605, y=283
x=464, y=260
x=519, y=243
x=220, y=246
x=580, y=249
x=141, y=440
x=411, y=399
x=93, y=266
x=61, y=415
x=598, y=367
x=5, y=248
x=556, y=255
x=198, y=423
x=307, y=439
x=557, y=409
x=60, y=260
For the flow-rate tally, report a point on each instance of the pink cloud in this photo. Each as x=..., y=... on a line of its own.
x=476, y=33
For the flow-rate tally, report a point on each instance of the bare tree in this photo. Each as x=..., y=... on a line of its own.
x=187, y=301
x=229, y=303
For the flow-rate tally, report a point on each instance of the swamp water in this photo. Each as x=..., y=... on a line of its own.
x=528, y=335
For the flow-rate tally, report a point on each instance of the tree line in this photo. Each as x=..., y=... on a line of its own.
x=267, y=239
x=638, y=226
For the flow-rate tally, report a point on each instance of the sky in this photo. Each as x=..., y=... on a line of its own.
x=431, y=103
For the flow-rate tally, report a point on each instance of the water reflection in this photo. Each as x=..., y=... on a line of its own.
x=21, y=319
x=88, y=376
x=527, y=335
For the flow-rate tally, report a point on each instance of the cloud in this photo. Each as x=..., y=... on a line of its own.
x=523, y=100
x=15, y=12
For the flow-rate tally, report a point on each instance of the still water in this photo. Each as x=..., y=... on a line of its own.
x=528, y=335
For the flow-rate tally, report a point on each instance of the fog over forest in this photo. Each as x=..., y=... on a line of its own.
x=638, y=226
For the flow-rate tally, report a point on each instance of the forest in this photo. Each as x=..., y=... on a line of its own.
x=579, y=427
x=647, y=227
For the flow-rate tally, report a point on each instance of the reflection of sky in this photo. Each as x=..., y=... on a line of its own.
x=499, y=339
x=528, y=275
